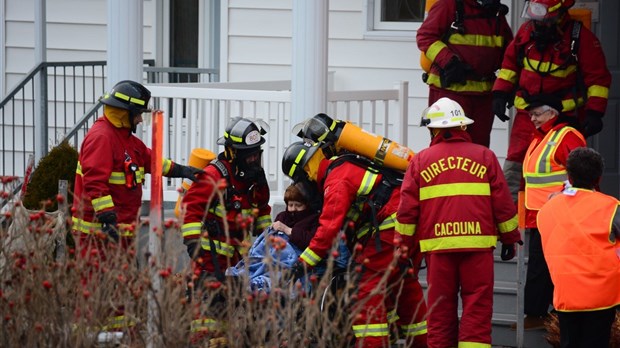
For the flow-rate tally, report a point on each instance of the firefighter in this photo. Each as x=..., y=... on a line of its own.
x=454, y=201
x=544, y=171
x=465, y=41
x=557, y=56
x=110, y=172
x=217, y=226
x=112, y=165
x=357, y=198
x=583, y=226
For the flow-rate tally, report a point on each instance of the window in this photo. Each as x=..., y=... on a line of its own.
x=395, y=15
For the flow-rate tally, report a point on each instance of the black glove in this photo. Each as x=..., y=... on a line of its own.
x=455, y=72
x=298, y=271
x=108, y=224
x=187, y=172
x=509, y=251
x=593, y=123
x=500, y=102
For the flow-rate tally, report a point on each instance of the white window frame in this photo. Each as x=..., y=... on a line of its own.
x=375, y=28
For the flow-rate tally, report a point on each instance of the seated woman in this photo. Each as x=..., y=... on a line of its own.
x=281, y=244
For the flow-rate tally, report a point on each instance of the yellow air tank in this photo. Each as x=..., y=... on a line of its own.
x=347, y=136
x=375, y=147
x=198, y=158
x=425, y=63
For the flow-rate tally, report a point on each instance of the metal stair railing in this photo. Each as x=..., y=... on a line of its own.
x=67, y=93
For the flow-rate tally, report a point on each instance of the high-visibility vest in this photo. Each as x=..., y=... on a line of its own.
x=575, y=229
x=542, y=173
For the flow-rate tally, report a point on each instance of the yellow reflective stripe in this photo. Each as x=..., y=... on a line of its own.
x=167, y=164
x=458, y=242
x=508, y=226
x=140, y=175
x=537, y=67
x=126, y=230
x=388, y=223
x=117, y=178
x=84, y=226
x=263, y=222
x=367, y=183
x=371, y=330
x=219, y=210
x=545, y=179
x=191, y=229
x=477, y=40
x=117, y=322
x=310, y=257
x=298, y=159
x=473, y=345
x=567, y=104
x=414, y=329
x=233, y=138
x=392, y=316
x=102, y=203
x=434, y=49
x=456, y=189
x=199, y=325
x=543, y=164
x=221, y=248
x=469, y=86
x=598, y=91
x=405, y=229
x=120, y=95
x=508, y=75
x=78, y=169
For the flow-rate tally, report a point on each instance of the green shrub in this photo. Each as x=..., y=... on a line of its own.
x=58, y=164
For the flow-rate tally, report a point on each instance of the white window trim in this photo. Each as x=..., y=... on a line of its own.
x=376, y=29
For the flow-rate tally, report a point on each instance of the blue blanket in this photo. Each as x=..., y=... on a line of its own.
x=270, y=255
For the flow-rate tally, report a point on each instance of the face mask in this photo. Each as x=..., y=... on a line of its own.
x=249, y=164
x=544, y=34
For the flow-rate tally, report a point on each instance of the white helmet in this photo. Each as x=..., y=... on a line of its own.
x=444, y=113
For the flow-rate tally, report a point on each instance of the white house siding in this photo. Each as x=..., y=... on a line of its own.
x=76, y=31
x=256, y=45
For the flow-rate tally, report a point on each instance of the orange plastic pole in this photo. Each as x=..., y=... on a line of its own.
x=155, y=223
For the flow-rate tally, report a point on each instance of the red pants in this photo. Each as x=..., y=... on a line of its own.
x=471, y=273
x=404, y=294
x=520, y=136
x=478, y=107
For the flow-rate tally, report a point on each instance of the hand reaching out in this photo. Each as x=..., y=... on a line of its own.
x=279, y=226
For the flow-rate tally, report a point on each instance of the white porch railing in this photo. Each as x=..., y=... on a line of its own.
x=198, y=113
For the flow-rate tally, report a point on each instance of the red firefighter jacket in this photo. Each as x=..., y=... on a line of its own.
x=201, y=215
x=341, y=187
x=481, y=45
x=455, y=198
x=100, y=183
x=530, y=72
x=544, y=167
x=577, y=233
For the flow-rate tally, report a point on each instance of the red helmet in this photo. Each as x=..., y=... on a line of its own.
x=546, y=10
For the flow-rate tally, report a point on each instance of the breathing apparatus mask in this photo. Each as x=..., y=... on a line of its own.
x=249, y=164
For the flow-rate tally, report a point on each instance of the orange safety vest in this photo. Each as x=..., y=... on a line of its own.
x=575, y=229
x=542, y=173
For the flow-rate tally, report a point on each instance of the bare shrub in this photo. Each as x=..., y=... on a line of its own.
x=65, y=300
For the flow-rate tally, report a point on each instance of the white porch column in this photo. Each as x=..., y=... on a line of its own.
x=309, y=70
x=125, y=56
x=40, y=102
